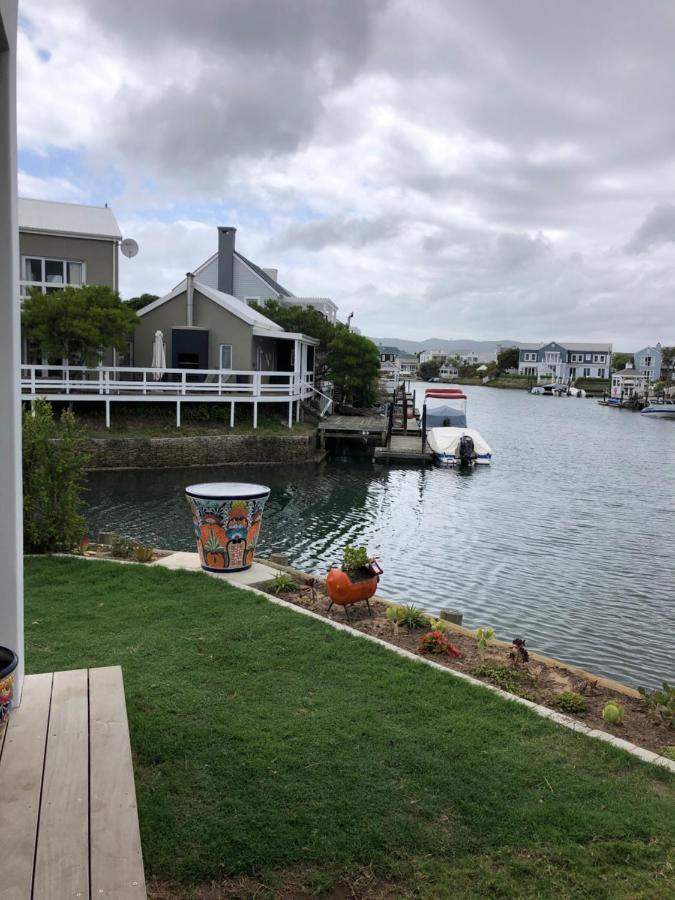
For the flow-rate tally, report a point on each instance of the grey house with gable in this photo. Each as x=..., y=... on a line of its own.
x=565, y=362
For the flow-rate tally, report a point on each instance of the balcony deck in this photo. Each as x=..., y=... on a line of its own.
x=68, y=814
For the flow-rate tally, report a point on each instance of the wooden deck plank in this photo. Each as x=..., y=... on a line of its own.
x=21, y=770
x=62, y=855
x=116, y=857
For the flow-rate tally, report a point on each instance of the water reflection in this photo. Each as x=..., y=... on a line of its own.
x=565, y=539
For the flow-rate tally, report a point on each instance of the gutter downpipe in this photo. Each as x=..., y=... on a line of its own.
x=189, y=294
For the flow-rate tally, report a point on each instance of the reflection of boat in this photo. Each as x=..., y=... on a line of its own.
x=458, y=446
x=554, y=389
x=660, y=409
x=449, y=439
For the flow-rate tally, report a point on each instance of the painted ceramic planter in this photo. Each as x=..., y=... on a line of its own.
x=227, y=517
x=8, y=664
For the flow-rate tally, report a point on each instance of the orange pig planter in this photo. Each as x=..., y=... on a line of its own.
x=343, y=590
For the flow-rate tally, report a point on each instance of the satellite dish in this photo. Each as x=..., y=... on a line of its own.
x=129, y=247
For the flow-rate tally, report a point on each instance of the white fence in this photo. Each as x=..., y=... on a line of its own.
x=134, y=384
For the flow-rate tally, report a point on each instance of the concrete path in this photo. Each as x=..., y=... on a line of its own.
x=257, y=574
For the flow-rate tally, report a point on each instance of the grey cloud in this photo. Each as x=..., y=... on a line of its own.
x=337, y=231
x=658, y=228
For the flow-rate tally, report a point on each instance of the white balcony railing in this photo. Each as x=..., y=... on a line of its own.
x=130, y=381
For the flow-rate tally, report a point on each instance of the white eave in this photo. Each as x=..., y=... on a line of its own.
x=68, y=219
x=286, y=335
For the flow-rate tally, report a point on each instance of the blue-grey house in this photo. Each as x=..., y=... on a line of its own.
x=649, y=361
x=564, y=362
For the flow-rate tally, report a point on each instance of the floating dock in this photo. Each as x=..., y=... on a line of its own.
x=364, y=429
x=404, y=448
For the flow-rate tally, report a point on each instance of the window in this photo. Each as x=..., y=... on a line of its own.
x=588, y=357
x=573, y=372
x=226, y=356
x=529, y=357
x=601, y=373
x=648, y=361
x=49, y=275
x=587, y=373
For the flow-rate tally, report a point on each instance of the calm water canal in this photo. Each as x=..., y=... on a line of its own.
x=567, y=540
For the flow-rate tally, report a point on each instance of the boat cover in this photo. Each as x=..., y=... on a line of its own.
x=445, y=441
x=439, y=416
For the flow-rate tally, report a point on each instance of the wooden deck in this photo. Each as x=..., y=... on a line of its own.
x=68, y=815
x=404, y=448
x=371, y=429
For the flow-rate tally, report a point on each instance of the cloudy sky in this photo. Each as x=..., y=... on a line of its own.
x=481, y=169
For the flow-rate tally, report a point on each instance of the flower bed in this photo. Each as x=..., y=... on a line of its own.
x=128, y=553
x=553, y=685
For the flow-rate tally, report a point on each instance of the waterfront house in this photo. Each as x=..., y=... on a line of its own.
x=448, y=372
x=389, y=354
x=65, y=245
x=565, y=362
x=409, y=366
x=428, y=355
x=649, y=362
x=629, y=382
x=231, y=273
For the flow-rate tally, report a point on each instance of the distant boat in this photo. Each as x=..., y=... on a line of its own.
x=660, y=409
x=555, y=389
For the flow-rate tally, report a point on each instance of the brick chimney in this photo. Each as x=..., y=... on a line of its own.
x=226, y=237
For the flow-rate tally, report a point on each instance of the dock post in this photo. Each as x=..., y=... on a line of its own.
x=232, y=414
x=107, y=413
x=177, y=413
x=290, y=414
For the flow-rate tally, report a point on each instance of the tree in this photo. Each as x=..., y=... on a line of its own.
x=354, y=366
x=508, y=359
x=303, y=319
x=619, y=360
x=77, y=324
x=139, y=302
x=430, y=368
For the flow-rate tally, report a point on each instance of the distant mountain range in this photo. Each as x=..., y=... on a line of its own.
x=486, y=350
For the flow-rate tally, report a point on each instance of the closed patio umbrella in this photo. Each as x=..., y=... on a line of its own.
x=158, y=355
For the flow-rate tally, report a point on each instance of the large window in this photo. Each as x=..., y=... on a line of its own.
x=48, y=275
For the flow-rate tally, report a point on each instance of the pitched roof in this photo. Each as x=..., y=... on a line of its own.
x=261, y=273
x=49, y=217
x=237, y=307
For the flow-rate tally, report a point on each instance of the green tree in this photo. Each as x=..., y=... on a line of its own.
x=430, y=368
x=53, y=476
x=508, y=359
x=354, y=366
x=303, y=319
x=137, y=303
x=619, y=360
x=77, y=324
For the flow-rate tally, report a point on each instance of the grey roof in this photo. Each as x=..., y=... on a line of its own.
x=49, y=217
x=276, y=287
x=385, y=348
x=629, y=373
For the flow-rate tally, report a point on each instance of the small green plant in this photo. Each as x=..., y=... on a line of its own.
x=356, y=561
x=669, y=752
x=142, y=553
x=122, y=547
x=570, y=702
x=413, y=617
x=437, y=642
x=395, y=615
x=483, y=637
x=439, y=625
x=282, y=584
x=662, y=702
x=613, y=713
x=506, y=678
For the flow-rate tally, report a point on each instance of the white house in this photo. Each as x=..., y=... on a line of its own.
x=408, y=365
x=230, y=272
x=629, y=382
x=428, y=355
x=448, y=372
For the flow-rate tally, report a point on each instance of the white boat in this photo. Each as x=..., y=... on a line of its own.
x=660, y=409
x=554, y=389
x=458, y=446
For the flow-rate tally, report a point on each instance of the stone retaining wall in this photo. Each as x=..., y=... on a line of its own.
x=206, y=450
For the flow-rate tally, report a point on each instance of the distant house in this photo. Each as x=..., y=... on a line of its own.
x=389, y=354
x=649, y=362
x=448, y=372
x=204, y=328
x=65, y=245
x=408, y=365
x=428, y=355
x=629, y=382
x=470, y=359
x=564, y=362
x=230, y=272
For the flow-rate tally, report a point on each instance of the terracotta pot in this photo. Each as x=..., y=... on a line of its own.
x=342, y=590
x=8, y=663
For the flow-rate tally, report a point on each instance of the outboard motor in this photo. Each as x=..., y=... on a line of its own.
x=466, y=450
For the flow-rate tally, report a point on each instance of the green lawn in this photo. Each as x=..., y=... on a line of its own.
x=270, y=745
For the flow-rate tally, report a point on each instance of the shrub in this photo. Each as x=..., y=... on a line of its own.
x=282, y=584
x=122, y=547
x=53, y=476
x=439, y=625
x=570, y=702
x=437, y=642
x=413, y=617
x=142, y=553
x=501, y=676
x=662, y=702
x=484, y=636
x=395, y=615
x=613, y=713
